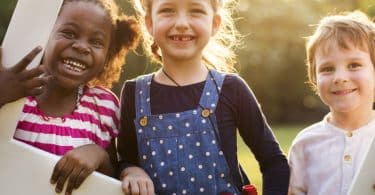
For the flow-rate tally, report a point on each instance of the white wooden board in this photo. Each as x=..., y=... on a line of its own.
x=365, y=177
x=24, y=169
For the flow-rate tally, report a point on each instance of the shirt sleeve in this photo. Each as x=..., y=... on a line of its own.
x=127, y=147
x=106, y=104
x=297, y=184
x=258, y=136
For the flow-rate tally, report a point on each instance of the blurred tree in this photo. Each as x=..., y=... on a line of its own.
x=272, y=57
x=136, y=63
x=367, y=6
x=274, y=63
x=6, y=10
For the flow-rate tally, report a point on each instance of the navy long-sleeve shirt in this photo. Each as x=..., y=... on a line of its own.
x=237, y=109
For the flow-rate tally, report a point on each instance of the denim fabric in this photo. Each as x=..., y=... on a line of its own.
x=180, y=151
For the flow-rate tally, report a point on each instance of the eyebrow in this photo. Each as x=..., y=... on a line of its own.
x=73, y=24
x=197, y=3
x=166, y=3
x=324, y=64
x=70, y=24
x=329, y=62
x=355, y=59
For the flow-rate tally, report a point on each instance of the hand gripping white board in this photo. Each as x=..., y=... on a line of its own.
x=365, y=177
x=24, y=169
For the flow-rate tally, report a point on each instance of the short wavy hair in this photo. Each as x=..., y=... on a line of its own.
x=350, y=27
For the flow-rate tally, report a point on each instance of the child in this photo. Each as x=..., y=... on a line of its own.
x=17, y=81
x=179, y=123
x=76, y=116
x=340, y=59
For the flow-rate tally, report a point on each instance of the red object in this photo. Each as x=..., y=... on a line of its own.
x=246, y=190
x=249, y=190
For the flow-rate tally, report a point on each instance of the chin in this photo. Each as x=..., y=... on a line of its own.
x=183, y=56
x=68, y=83
x=344, y=109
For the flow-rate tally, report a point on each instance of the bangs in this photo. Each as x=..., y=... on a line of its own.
x=344, y=35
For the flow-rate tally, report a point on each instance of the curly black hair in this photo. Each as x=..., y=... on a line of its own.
x=125, y=36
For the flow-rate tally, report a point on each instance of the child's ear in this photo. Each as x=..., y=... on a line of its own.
x=216, y=22
x=148, y=23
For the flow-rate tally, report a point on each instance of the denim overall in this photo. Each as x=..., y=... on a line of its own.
x=180, y=151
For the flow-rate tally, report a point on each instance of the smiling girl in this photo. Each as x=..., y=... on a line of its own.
x=180, y=123
x=77, y=116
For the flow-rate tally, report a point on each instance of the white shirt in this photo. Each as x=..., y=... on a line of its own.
x=324, y=158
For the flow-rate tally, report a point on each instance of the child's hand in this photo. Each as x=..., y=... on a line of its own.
x=136, y=181
x=17, y=82
x=76, y=165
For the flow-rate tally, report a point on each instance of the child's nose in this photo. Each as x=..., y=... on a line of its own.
x=182, y=22
x=81, y=47
x=340, y=76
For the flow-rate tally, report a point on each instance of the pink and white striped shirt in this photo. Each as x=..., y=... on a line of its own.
x=94, y=121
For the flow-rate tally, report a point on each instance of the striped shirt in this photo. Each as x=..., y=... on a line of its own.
x=94, y=121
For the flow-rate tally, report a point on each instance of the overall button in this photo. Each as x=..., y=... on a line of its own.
x=206, y=113
x=347, y=157
x=349, y=134
x=143, y=121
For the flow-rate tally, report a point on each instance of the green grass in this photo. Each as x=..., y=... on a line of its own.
x=285, y=136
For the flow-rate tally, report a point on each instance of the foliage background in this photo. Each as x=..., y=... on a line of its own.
x=271, y=61
x=272, y=57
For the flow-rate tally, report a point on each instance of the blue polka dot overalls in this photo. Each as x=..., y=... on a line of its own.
x=180, y=151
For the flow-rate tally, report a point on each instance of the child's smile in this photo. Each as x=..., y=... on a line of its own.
x=182, y=28
x=74, y=65
x=79, y=44
x=182, y=37
x=343, y=92
x=345, y=78
x=182, y=41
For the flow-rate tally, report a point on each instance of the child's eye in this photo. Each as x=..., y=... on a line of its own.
x=97, y=43
x=354, y=65
x=326, y=69
x=198, y=11
x=68, y=34
x=166, y=10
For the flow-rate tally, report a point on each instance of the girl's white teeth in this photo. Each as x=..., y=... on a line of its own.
x=182, y=38
x=74, y=65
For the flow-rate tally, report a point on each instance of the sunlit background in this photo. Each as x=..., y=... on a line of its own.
x=271, y=60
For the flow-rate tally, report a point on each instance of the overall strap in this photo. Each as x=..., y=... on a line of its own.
x=212, y=90
x=210, y=98
x=142, y=95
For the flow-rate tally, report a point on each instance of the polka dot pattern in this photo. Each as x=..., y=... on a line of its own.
x=180, y=150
